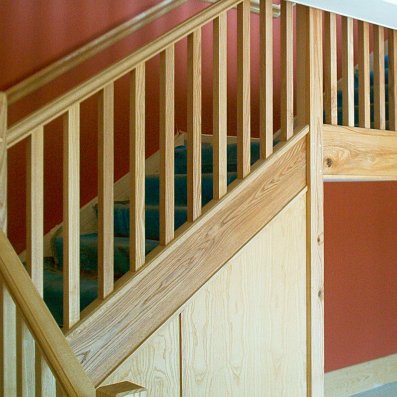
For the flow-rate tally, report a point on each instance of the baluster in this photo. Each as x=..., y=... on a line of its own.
x=330, y=69
x=243, y=89
x=194, y=127
x=364, y=75
x=8, y=372
x=220, y=106
x=266, y=78
x=105, y=191
x=379, y=78
x=348, y=71
x=71, y=216
x=392, y=80
x=287, y=71
x=167, y=120
x=137, y=168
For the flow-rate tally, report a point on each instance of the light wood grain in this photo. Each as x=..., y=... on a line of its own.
x=22, y=129
x=3, y=161
x=194, y=127
x=220, y=106
x=244, y=332
x=255, y=7
x=310, y=75
x=137, y=168
x=392, y=80
x=330, y=69
x=348, y=71
x=122, y=389
x=350, y=151
x=266, y=79
x=195, y=256
x=71, y=211
x=379, y=78
x=25, y=359
x=42, y=324
x=167, y=121
x=35, y=207
x=105, y=191
x=243, y=90
x=63, y=65
x=155, y=364
x=287, y=70
x=362, y=377
x=364, y=99
x=45, y=380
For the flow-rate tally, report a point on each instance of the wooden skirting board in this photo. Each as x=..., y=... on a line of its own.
x=358, y=378
x=359, y=154
x=200, y=251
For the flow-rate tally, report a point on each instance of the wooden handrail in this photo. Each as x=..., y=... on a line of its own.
x=255, y=7
x=121, y=389
x=46, y=114
x=42, y=325
x=63, y=65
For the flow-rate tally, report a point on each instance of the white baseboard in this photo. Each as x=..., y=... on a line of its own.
x=358, y=378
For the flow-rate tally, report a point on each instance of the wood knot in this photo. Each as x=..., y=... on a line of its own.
x=320, y=294
x=320, y=238
x=329, y=162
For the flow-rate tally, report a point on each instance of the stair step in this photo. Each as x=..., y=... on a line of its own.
x=89, y=253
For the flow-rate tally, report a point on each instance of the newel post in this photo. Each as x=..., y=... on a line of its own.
x=310, y=112
x=3, y=162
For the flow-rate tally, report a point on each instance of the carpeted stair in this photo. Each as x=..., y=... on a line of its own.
x=53, y=279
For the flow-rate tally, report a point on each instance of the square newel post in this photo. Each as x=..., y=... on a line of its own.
x=310, y=112
x=123, y=389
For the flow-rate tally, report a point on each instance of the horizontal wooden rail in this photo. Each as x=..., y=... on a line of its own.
x=46, y=114
x=121, y=389
x=42, y=325
x=63, y=65
x=352, y=153
x=200, y=251
x=255, y=7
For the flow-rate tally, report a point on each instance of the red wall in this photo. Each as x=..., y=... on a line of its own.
x=360, y=298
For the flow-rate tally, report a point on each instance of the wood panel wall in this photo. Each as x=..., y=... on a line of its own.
x=244, y=332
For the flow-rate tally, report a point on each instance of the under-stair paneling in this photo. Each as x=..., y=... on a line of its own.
x=155, y=364
x=244, y=332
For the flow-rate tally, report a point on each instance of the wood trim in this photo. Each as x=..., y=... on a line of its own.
x=49, y=112
x=348, y=71
x=379, y=78
x=3, y=161
x=351, y=152
x=63, y=65
x=255, y=7
x=364, y=76
x=362, y=377
x=196, y=255
x=42, y=325
x=120, y=390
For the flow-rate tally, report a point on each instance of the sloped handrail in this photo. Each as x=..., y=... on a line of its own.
x=87, y=51
x=59, y=356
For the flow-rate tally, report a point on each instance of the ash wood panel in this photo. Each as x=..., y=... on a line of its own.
x=392, y=80
x=105, y=191
x=155, y=364
x=194, y=127
x=287, y=70
x=243, y=89
x=63, y=65
x=330, y=69
x=167, y=122
x=364, y=76
x=122, y=389
x=310, y=72
x=35, y=207
x=266, y=78
x=25, y=359
x=244, y=332
x=220, y=106
x=195, y=256
x=42, y=324
x=137, y=168
x=22, y=129
x=359, y=152
x=348, y=71
x=379, y=78
x=71, y=212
